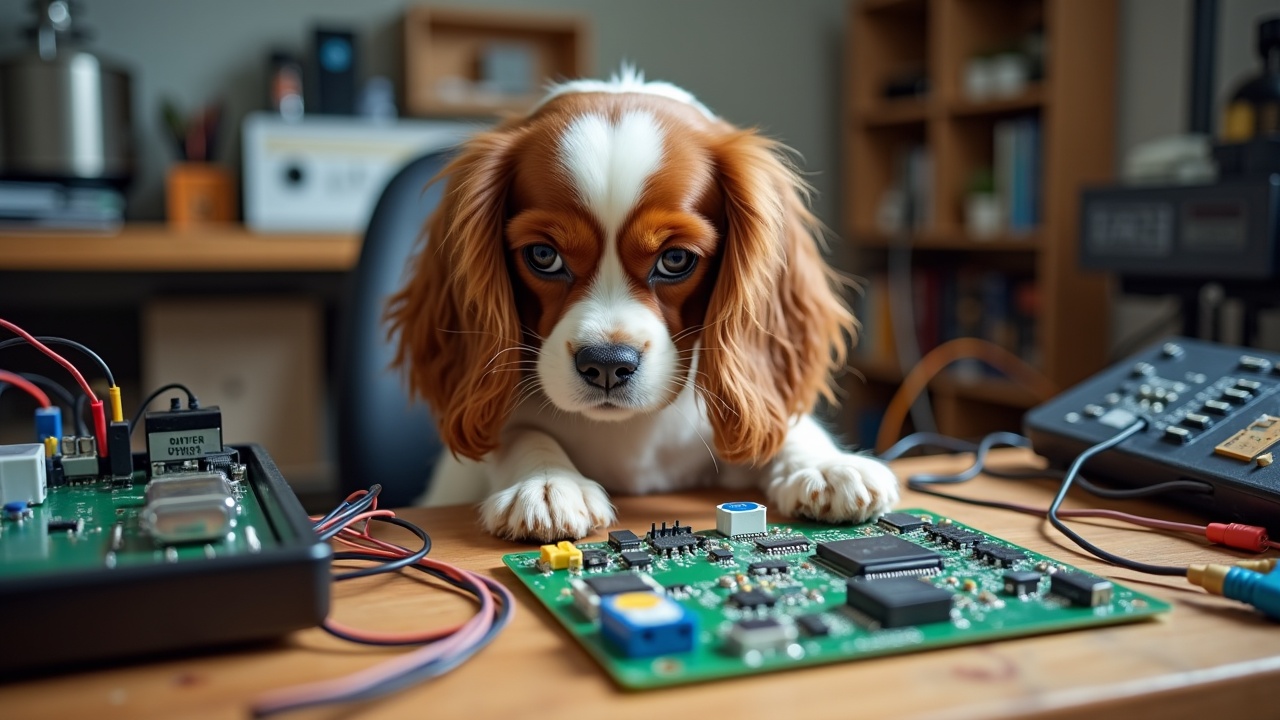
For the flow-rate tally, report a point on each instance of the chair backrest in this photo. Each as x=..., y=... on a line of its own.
x=382, y=436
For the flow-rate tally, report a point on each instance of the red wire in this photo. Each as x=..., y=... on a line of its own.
x=24, y=384
x=84, y=385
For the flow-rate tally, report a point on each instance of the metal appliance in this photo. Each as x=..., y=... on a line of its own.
x=65, y=114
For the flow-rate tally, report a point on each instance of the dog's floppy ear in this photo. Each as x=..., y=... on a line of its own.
x=455, y=319
x=776, y=327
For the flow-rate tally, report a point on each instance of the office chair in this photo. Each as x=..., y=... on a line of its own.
x=383, y=437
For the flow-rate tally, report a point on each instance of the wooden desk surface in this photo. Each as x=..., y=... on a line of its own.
x=1208, y=657
x=155, y=247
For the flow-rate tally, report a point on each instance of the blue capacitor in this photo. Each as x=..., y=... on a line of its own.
x=48, y=423
x=17, y=506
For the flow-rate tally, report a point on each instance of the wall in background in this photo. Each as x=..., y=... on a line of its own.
x=772, y=64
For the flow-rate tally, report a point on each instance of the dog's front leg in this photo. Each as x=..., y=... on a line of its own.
x=538, y=494
x=811, y=477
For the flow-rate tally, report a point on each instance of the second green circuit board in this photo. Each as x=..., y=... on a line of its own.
x=666, y=605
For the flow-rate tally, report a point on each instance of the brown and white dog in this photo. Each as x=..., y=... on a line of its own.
x=621, y=291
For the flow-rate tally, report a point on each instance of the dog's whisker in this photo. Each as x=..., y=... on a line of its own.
x=715, y=465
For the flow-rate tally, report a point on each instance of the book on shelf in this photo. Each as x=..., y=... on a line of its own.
x=949, y=303
x=1018, y=169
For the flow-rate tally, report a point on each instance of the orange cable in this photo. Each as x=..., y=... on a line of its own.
x=936, y=360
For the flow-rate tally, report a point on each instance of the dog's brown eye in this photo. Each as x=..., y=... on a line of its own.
x=675, y=263
x=544, y=259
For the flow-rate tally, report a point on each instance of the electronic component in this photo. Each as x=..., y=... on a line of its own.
x=997, y=555
x=769, y=567
x=952, y=536
x=561, y=556
x=17, y=510
x=759, y=635
x=119, y=460
x=1081, y=589
x=60, y=525
x=48, y=422
x=588, y=591
x=1021, y=582
x=178, y=439
x=752, y=599
x=646, y=624
x=621, y=540
x=740, y=519
x=220, y=584
x=22, y=473
x=671, y=540
x=592, y=559
x=813, y=625
x=879, y=555
x=899, y=602
x=637, y=559
x=720, y=555
x=1233, y=488
x=1249, y=442
x=809, y=618
x=188, y=508
x=79, y=457
x=783, y=544
x=901, y=522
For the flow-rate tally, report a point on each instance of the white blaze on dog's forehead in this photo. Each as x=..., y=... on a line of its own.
x=627, y=80
x=609, y=164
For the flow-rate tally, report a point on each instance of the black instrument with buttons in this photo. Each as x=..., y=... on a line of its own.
x=1213, y=416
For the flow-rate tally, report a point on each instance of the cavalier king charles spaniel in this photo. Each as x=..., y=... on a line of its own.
x=622, y=292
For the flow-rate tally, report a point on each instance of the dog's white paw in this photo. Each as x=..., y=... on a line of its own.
x=840, y=489
x=556, y=506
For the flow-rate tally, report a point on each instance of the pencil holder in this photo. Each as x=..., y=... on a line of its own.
x=199, y=194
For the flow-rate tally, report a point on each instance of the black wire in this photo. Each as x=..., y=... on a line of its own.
x=385, y=565
x=922, y=483
x=192, y=402
x=1074, y=470
x=347, y=510
x=50, y=340
x=944, y=442
x=501, y=612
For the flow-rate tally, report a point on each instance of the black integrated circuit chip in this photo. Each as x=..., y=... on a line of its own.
x=637, y=559
x=678, y=589
x=594, y=558
x=951, y=536
x=603, y=585
x=901, y=522
x=752, y=599
x=783, y=544
x=878, y=555
x=1021, y=582
x=671, y=540
x=60, y=525
x=899, y=602
x=720, y=555
x=1081, y=589
x=623, y=540
x=813, y=625
x=998, y=555
x=769, y=567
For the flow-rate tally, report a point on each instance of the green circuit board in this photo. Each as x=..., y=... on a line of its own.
x=792, y=585
x=29, y=547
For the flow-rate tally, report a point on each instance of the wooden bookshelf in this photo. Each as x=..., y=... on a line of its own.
x=155, y=247
x=1074, y=102
x=444, y=50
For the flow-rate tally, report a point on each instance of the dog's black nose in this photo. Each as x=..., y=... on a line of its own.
x=607, y=366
